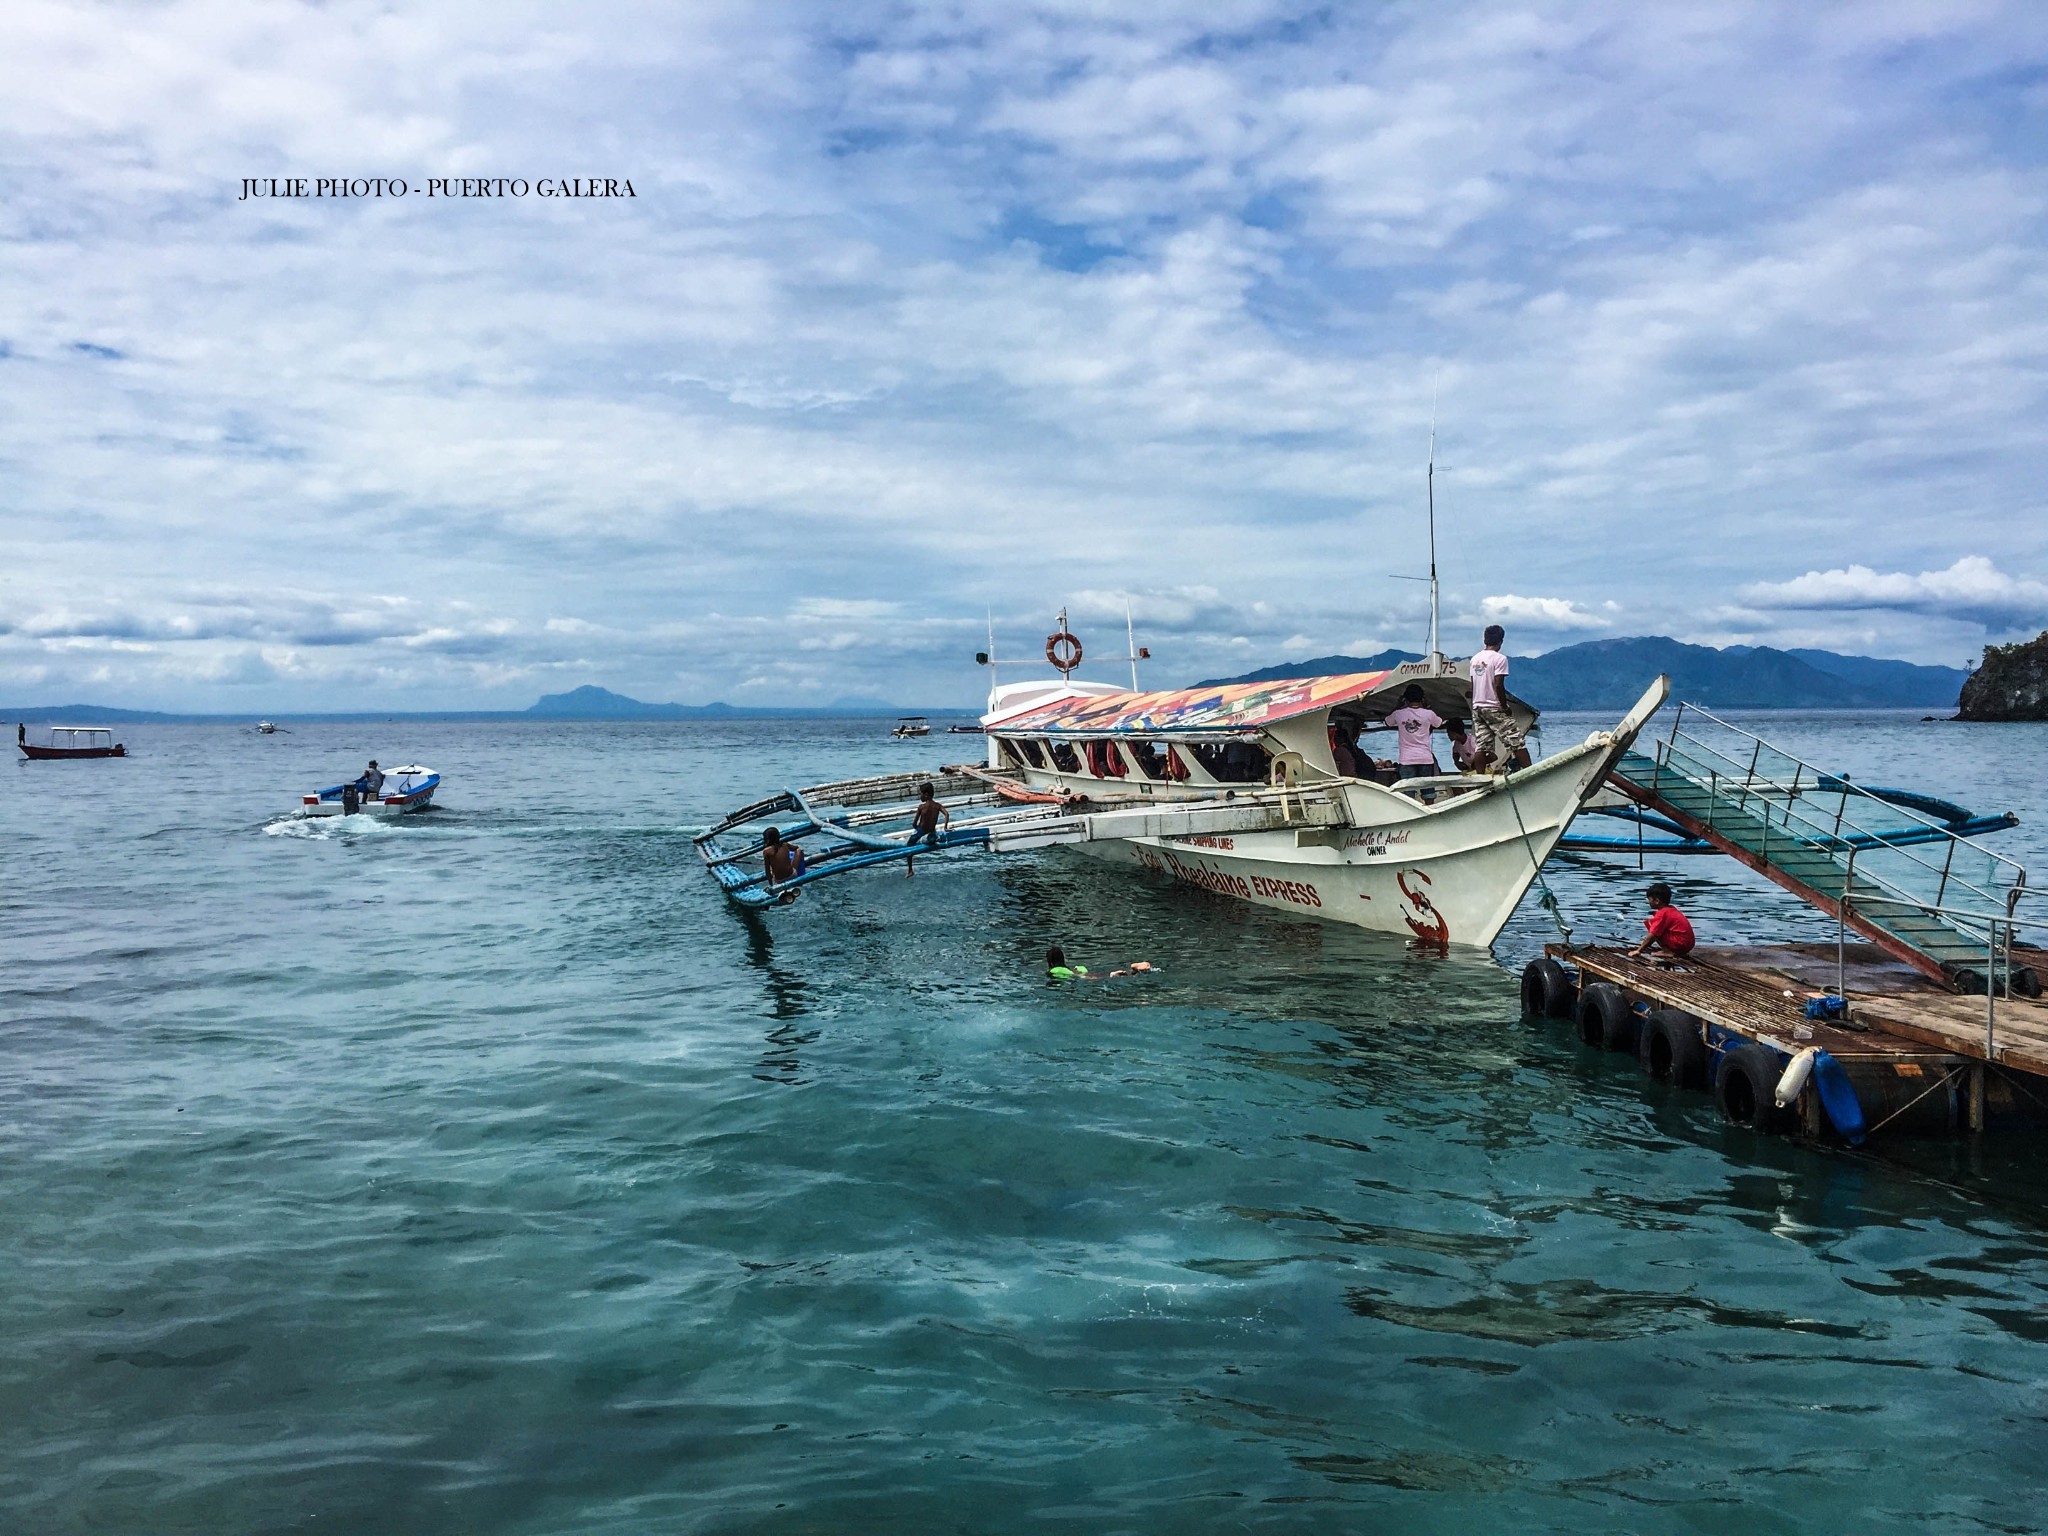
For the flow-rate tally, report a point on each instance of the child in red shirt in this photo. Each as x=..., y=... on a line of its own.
x=1668, y=929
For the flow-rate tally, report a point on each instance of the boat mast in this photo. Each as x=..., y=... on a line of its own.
x=1131, y=640
x=1436, y=656
x=989, y=656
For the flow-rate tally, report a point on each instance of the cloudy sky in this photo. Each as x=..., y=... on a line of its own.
x=1733, y=320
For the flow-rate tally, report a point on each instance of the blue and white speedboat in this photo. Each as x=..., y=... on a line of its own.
x=404, y=790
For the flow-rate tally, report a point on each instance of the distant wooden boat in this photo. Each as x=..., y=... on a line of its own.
x=911, y=725
x=77, y=741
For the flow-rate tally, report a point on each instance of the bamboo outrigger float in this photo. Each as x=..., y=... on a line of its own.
x=1235, y=788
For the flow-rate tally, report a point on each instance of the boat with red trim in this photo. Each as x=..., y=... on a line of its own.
x=78, y=741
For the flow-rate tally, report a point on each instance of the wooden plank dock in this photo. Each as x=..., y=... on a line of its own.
x=1920, y=1057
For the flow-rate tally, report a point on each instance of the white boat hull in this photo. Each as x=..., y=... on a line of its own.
x=402, y=806
x=1447, y=874
x=407, y=790
x=1457, y=896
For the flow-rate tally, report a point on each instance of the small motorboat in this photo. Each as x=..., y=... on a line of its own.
x=266, y=727
x=404, y=790
x=70, y=741
x=911, y=725
x=963, y=730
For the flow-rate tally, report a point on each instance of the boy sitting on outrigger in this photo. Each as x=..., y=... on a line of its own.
x=784, y=861
x=924, y=824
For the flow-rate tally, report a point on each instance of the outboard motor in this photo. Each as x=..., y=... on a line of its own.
x=351, y=802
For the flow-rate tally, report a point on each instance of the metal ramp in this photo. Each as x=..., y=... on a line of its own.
x=1911, y=884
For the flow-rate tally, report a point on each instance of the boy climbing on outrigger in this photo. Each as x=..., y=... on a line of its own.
x=924, y=824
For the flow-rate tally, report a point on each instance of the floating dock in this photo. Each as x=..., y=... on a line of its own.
x=1923, y=1016
x=1918, y=1060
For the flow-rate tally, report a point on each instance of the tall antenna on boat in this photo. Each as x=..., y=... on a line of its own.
x=1435, y=654
x=987, y=658
x=1131, y=637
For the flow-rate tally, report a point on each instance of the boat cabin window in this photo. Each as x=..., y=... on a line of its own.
x=1028, y=750
x=1149, y=756
x=1065, y=758
x=1104, y=761
x=1234, y=762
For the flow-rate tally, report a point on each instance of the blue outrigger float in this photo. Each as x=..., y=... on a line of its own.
x=1928, y=819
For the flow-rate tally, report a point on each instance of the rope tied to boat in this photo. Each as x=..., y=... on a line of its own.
x=1547, y=898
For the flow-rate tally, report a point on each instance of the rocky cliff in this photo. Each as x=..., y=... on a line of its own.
x=2011, y=685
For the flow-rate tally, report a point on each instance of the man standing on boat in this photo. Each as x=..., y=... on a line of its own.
x=1493, y=728
x=1412, y=724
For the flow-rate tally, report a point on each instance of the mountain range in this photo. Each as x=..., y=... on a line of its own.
x=1597, y=674
x=1611, y=674
x=593, y=703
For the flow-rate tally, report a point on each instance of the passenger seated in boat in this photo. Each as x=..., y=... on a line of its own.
x=1350, y=763
x=1235, y=762
x=1463, y=754
x=1668, y=928
x=924, y=824
x=1150, y=759
x=785, y=861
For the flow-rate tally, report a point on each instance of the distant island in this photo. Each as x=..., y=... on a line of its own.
x=593, y=703
x=2012, y=684
x=1610, y=674
x=585, y=703
x=1595, y=675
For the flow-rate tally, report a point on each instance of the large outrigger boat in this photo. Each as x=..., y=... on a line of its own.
x=1232, y=788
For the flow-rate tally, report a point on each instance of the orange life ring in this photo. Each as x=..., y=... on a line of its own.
x=1063, y=650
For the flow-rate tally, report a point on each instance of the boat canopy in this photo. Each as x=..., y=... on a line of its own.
x=1226, y=707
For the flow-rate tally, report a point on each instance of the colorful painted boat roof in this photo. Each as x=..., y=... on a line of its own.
x=1225, y=707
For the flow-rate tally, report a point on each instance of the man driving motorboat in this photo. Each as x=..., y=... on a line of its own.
x=371, y=784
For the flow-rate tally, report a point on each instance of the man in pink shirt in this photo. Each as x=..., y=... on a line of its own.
x=1493, y=728
x=1411, y=724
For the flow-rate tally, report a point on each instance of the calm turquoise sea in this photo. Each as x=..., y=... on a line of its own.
x=489, y=1173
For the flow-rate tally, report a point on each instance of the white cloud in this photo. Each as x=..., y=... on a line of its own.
x=1972, y=589
x=949, y=308
x=1539, y=612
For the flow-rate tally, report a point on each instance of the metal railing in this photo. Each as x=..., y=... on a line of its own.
x=1998, y=966
x=1969, y=887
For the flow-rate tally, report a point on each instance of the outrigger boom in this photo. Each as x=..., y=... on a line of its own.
x=837, y=838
